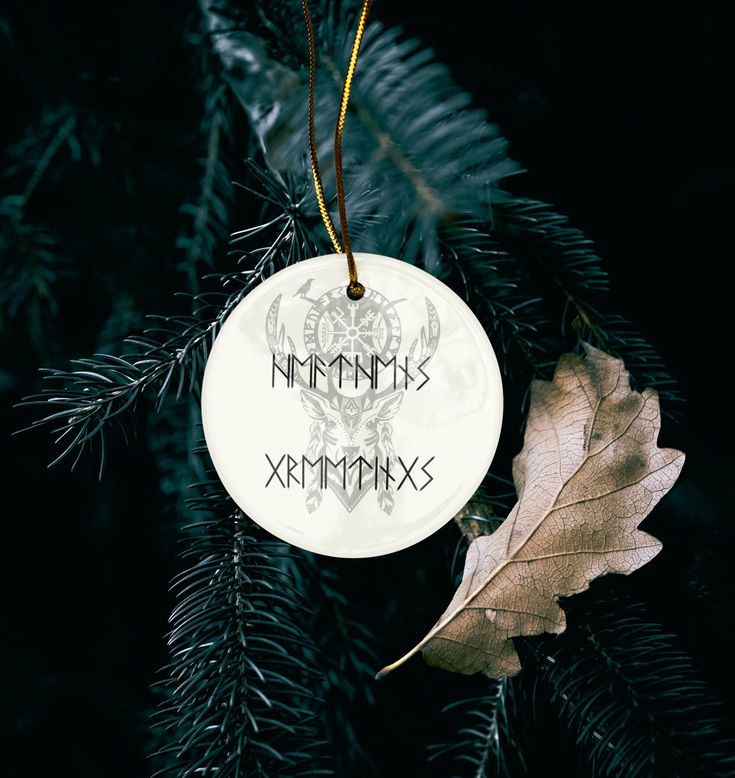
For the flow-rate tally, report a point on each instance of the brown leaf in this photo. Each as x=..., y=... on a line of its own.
x=588, y=474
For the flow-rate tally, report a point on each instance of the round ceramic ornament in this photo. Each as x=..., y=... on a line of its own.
x=352, y=428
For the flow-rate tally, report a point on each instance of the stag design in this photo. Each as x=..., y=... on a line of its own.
x=350, y=417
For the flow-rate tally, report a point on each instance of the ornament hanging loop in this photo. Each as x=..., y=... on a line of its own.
x=355, y=290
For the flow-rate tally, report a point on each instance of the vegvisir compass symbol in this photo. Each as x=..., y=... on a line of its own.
x=351, y=335
x=351, y=415
x=356, y=328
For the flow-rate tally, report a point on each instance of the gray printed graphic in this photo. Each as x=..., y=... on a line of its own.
x=350, y=411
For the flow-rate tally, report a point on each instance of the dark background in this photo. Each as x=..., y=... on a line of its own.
x=621, y=114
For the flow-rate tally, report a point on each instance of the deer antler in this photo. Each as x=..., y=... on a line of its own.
x=281, y=345
x=427, y=342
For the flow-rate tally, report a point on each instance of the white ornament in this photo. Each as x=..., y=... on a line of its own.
x=352, y=428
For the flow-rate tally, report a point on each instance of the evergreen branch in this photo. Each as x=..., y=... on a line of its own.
x=32, y=261
x=242, y=699
x=168, y=359
x=566, y=257
x=533, y=247
x=39, y=147
x=413, y=136
x=347, y=654
x=633, y=699
x=210, y=209
x=60, y=137
x=36, y=247
x=107, y=388
x=485, y=276
x=557, y=255
x=173, y=436
x=478, y=749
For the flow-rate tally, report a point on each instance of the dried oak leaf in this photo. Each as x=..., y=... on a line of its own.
x=588, y=474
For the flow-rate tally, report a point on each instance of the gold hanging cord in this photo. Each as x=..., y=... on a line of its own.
x=355, y=289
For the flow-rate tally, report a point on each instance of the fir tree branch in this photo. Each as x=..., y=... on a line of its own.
x=173, y=436
x=170, y=358
x=210, y=209
x=347, y=655
x=32, y=259
x=478, y=748
x=242, y=693
x=556, y=254
x=413, y=140
x=485, y=276
x=633, y=699
x=489, y=267
x=564, y=254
